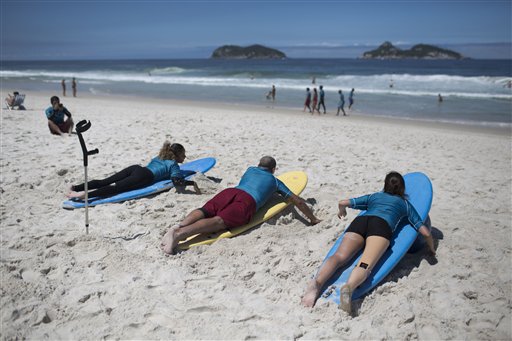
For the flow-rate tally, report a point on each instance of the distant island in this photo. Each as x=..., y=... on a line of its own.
x=420, y=51
x=249, y=52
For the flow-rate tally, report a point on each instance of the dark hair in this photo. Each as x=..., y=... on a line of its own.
x=267, y=162
x=394, y=184
x=307, y=89
x=54, y=99
x=177, y=148
x=170, y=151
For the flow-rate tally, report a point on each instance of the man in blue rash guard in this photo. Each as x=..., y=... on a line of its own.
x=234, y=207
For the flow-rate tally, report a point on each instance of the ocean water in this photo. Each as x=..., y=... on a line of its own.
x=475, y=92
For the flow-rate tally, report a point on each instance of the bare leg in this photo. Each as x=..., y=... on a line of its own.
x=374, y=249
x=351, y=243
x=176, y=233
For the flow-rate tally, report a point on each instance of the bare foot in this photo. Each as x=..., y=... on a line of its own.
x=309, y=298
x=169, y=242
x=346, y=299
x=76, y=195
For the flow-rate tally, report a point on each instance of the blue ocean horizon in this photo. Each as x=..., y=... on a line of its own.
x=474, y=91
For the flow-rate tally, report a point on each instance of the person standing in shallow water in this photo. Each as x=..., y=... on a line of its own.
x=307, y=102
x=351, y=99
x=73, y=85
x=341, y=104
x=372, y=232
x=322, y=99
x=315, y=100
x=63, y=83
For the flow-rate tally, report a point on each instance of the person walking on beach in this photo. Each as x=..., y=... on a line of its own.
x=322, y=99
x=63, y=83
x=234, y=207
x=73, y=85
x=273, y=92
x=57, y=123
x=162, y=167
x=307, y=102
x=370, y=231
x=341, y=104
x=315, y=101
x=351, y=99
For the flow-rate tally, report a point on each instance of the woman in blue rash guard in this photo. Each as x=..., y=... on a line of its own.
x=164, y=166
x=372, y=231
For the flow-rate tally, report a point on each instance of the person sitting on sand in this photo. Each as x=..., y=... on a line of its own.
x=234, y=207
x=162, y=167
x=56, y=122
x=372, y=231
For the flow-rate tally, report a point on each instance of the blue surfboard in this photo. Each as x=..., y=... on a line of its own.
x=419, y=192
x=188, y=169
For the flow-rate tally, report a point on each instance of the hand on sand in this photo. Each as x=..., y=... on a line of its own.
x=196, y=188
x=169, y=242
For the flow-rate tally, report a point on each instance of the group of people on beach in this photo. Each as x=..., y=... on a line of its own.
x=318, y=101
x=73, y=87
x=234, y=207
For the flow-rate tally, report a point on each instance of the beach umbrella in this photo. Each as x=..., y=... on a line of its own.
x=82, y=127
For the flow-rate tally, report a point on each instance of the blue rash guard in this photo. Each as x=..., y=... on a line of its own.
x=164, y=169
x=57, y=116
x=391, y=208
x=260, y=184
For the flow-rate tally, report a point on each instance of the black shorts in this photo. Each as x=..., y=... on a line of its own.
x=368, y=225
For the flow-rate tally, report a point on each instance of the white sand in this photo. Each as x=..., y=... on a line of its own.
x=59, y=283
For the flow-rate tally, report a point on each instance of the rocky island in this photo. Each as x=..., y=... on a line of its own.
x=420, y=51
x=249, y=52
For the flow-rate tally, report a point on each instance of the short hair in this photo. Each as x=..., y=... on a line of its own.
x=267, y=162
x=54, y=99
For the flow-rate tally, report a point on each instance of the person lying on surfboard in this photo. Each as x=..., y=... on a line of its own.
x=373, y=231
x=234, y=207
x=164, y=166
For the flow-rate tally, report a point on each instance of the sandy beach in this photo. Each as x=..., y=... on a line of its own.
x=57, y=282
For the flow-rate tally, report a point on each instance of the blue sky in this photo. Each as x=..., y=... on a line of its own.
x=50, y=30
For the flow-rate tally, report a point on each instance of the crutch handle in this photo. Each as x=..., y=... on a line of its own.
x=92, y=152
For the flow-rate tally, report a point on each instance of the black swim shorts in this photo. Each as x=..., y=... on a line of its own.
x=368, y=225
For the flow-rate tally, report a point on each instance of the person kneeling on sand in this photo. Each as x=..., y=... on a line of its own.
x=234, y=207
x=162, y=167
x=56, y=122
x=372, y=231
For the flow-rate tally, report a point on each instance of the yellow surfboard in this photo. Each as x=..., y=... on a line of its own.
x=295, y=181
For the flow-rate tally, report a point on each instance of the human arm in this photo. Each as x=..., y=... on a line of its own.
x=418, y=225
x=342, y=207
x=178, y=181
x=360, y=203
x=304, y=208
x=66, y=111
x=425, y=232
